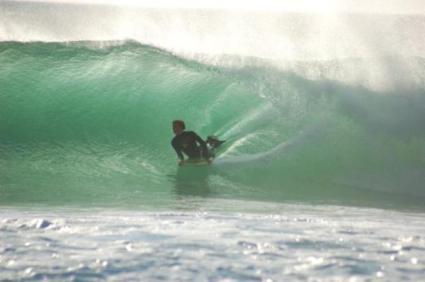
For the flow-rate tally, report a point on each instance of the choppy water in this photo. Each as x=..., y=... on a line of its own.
x=290, y=242
x=323, y=166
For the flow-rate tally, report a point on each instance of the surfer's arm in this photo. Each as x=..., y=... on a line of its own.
x=178, y=151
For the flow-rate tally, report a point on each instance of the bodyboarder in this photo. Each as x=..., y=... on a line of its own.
x=189, y=143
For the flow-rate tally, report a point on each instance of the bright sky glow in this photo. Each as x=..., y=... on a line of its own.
x=314, y=6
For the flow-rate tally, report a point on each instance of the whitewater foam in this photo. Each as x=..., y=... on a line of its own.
x=360, y=244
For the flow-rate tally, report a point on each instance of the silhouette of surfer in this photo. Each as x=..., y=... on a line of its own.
x=189, y=143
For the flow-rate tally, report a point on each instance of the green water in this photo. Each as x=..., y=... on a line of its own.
x=88, y=123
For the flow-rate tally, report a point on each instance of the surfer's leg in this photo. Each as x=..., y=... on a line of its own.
x=214, y=142
x=211, y=152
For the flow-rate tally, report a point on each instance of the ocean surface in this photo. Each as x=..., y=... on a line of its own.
x=321, y=178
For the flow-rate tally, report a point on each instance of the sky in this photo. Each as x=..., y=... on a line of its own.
x=314, y=6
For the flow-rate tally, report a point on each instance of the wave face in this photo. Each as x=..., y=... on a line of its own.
x=89, y=122
x=82, y=123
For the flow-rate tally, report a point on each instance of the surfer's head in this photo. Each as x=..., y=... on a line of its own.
x=178, y=126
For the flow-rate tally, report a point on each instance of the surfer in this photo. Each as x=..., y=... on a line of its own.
x=189, y=143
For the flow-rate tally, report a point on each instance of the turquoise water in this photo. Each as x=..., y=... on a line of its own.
x=321, y=177
x=85, y=124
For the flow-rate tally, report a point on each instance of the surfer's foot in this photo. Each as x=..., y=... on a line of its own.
x=214, y=141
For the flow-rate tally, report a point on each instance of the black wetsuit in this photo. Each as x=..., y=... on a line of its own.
x=186, y=143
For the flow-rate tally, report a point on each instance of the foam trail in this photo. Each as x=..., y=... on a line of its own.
x=270, y=155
